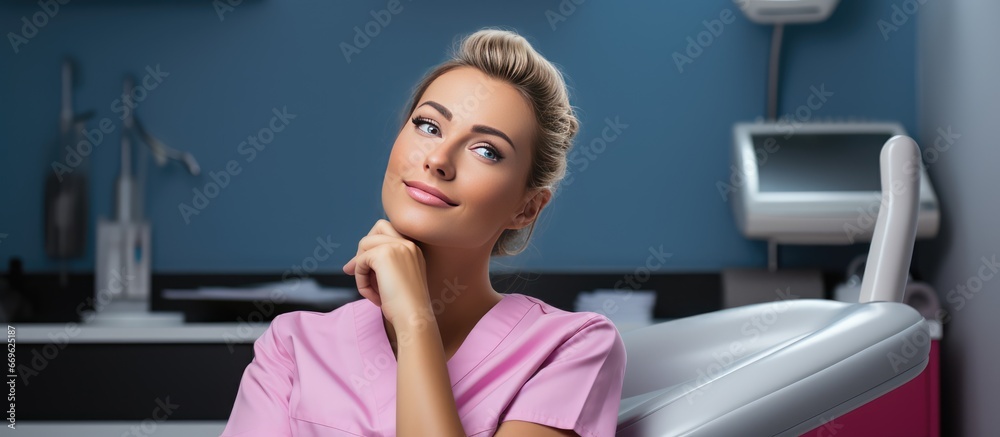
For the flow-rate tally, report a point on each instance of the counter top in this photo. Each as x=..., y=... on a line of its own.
x=88, y=428
x=227, y=333
x=59, y=333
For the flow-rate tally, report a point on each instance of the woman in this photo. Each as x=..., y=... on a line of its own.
x=433, y=349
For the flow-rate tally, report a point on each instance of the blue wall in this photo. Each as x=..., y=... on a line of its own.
x=321, y=176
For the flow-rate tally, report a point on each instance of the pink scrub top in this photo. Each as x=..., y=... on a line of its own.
x=334, y=373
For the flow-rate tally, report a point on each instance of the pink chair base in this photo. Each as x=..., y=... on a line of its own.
x=912, y=410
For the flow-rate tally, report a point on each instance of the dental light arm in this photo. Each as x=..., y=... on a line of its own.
x=161, y=151
x=123, y=268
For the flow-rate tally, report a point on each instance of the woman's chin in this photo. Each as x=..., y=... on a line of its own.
x=430, y=232
x=419, y=227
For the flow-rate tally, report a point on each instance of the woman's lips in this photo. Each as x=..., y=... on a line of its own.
x=425, y=197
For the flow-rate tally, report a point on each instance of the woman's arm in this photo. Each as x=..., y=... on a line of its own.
x=261, y=406
x=425, y=404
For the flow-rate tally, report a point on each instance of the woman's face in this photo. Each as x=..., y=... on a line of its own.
x=470, y=137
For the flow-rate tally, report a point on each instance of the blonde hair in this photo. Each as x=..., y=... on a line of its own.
x=504, y=55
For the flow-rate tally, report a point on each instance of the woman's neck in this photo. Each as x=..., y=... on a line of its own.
x=460, y=292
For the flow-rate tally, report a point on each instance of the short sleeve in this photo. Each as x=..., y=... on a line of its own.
x=579, y=386
x=261, y=407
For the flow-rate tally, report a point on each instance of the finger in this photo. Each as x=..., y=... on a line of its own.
x=378, y=293
x=371, y=296
x=377, y=229
x=364, y=277
x=361, y=269
x=368, y=243
x=384, y=227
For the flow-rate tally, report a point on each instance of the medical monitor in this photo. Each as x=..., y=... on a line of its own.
x=814, y=183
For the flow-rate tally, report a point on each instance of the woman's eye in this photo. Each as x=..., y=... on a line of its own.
x=431, y=128
x=491, y=154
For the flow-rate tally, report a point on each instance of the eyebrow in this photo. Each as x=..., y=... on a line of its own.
x=478, y=128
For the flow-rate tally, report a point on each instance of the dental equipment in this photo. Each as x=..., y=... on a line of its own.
x=66, y=200
x=816, y=185
x=802, y=362
x=123, y=270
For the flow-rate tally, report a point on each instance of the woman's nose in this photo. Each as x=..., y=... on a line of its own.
x=440, y=159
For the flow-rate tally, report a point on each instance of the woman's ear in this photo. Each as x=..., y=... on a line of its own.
x=532, y=207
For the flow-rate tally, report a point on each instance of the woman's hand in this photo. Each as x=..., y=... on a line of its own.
x=401, y=288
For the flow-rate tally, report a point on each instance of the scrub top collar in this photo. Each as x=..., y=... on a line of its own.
x=380, y=363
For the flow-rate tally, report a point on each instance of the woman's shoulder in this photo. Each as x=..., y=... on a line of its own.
x=566, y=325
x=549, y=312
x=583, y=337
x=313, y=316
x=303, y=325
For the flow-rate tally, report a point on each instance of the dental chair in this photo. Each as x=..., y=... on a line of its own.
x=785, y=367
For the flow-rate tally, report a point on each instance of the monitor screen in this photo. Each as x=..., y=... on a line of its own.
x=818, y=161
